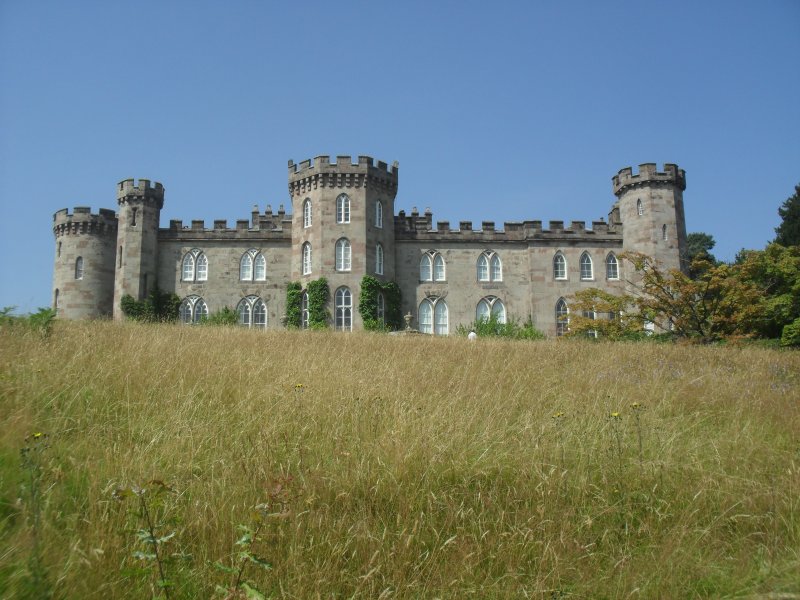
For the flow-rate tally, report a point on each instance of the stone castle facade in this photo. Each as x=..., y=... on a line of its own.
x=342, y=226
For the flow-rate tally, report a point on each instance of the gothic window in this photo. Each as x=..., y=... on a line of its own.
x=639, y=208
x=79, y=268
x=343, y=208
x=343, y=255
x=344, y=309
x=612, y=266
x=489, y=307
x=379, y=259
x=433, y=316
x=252, y=312
x=253, y=266
x=489, y=267
x=562, y=317
x=432, y=267
x=307, y=213
x=379, y=214
x=193, y=309
x=590, y=314
x=559, y=266
x=304, y=311
x=195, y=266
x=587, y=272
x=306, y=258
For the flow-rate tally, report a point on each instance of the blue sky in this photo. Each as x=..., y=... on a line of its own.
x=497, y=111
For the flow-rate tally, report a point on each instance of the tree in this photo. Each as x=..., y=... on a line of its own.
x=597, y=313
x=789, y=229
x=698, y=246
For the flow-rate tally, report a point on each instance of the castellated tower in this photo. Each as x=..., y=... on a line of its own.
x=343, y=223
x=137, y=239
x=651, y=210
x=83, y=277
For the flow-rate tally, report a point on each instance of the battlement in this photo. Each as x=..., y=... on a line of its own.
x=82, y=221
x=321, y=172
x=271, y=224
x=342, y=164
x=143, y=189
x=648, y=173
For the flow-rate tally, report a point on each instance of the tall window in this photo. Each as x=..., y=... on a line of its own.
x=590, y=314
x=252, y=312
x=562, y=317
x=489, y=307
x=344, y=309
x=381, y=309
x=306, y=258
x=58, y=250
x=379, y=259
x=433, y=316
x=192, y=310
x=307, y=213
x=559, y=266
x=379, y=214
x=587, y=272
x=195, y=266
x=253, y=266
x=343, y=208
x=55, y=301
x=432, y=267
x=79, y=268
x=664, y=232
x=343, y=255
x=304, y=311
x=489, y=267
x=612, y=266
x=639, y=208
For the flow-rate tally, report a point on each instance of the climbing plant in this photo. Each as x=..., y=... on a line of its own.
x=318, y=295
x=158, y=306
x=294, y=299
x=371, y=288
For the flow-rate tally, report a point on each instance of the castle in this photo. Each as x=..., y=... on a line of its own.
x=343, y=226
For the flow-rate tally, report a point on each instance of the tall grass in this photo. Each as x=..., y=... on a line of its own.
x=408, y=467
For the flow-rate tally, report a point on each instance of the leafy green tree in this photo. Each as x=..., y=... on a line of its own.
x=698, y=248
x=601, y=314
x=789, y=229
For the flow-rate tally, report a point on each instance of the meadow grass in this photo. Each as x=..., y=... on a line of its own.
x=396, y=467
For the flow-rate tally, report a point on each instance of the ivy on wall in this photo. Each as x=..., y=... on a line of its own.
x=294, y=299
x=368, y=304
x=158, y=306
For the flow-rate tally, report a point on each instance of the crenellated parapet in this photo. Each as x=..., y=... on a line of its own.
x=81, y=221
x=129, y=190
x=648, y=173
x=322, y=173
x=266, y=225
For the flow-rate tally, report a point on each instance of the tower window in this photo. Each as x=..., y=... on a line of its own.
x=306, y=258
x=133, y=217
x=379, y=259
x=664, y=232
x=304, y=311
x=343, y=255
x=639, y=208
x=344, y=309
x=55, y=301
x=381, y=309
x=58, y=249
x=343, y=208
x=119, y=264
x=379, y=214
x=307, y=213
x=79, y=268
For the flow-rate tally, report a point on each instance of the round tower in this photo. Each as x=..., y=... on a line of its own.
x=343, y=223
x=651, y=210
x=83, y=277
x=140, y=207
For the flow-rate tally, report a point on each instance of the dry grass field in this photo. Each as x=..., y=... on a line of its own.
x=393, y=467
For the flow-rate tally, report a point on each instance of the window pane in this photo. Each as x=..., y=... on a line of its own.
x=425, y=268
x=438, y=267
x=261, y=267
x=497, y=269
x=378, y=214
x=188, y=268
x=612, y=267
x=306, y=258
x=246, y=268
x=483, y=268
x=307, y=213
x=185, y=312
x=441, y=318
x=499, y=311
x=200, y=310
x=425, y=317
x=586, y=266
x=202, y=267
x=562, y=317
x=483, y=311
x=379, y=259
x=259, y=314
x=559, y=267
x=244, y=313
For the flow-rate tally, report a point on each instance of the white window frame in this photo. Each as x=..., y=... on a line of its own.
x=250, y=309
x=432, y=267
x=489, y=267
x=378, y=259
x=559, y=266
x=439, y=268
x=194, y=266
x=79, y=270
x=306, y=266
x=304, y=311
x=253, y=266
x=343, y=307
x=307, y=215
x=562, y=317
x=192, y=310
x=433, y=316
x=587, y=267
x=343, y=209
x=612, y=267
x=344, y=255
x=426, y=267
x=490, y=306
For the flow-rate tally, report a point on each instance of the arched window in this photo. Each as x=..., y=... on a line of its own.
x=253, y=266
x=612, y=266
x=344, y=310
x=343, y=208
x=587, y=273
x=307, y=212
x=193, y=309
x=379, y=259
x=664, y=232
x=432, y=267
x=306, y=258
x=343, y=255
x=590, y=314
x=562, y=317
x=195, y=266
x=489, y=307
x=639, y=208
x=379, y=214
x=381, y=309
x=426, y=268
x=489, y=267
x=559, y=266
x=304, y=311
x=433, y=316
x=79, y=268
x=252, y=312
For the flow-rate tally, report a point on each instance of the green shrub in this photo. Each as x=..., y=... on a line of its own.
x=158, y=307
x=791, y=334
x=224, y=316
x=511, y=329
